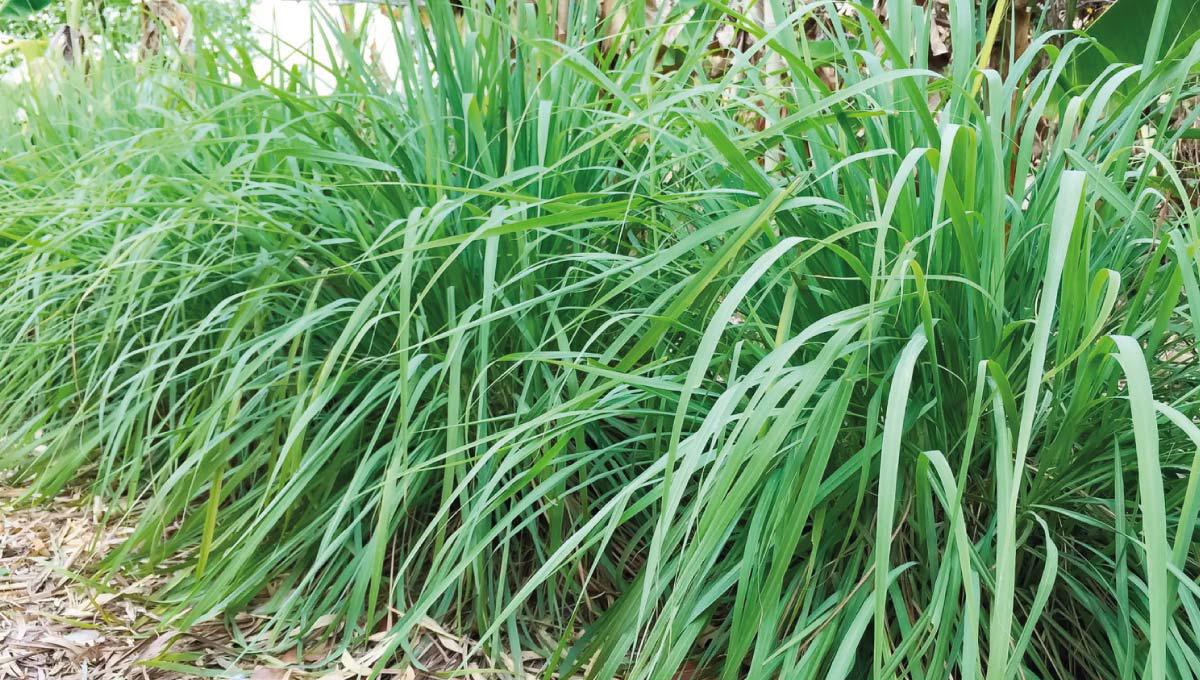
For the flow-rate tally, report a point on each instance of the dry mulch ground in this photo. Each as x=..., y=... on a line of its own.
x=56, y=623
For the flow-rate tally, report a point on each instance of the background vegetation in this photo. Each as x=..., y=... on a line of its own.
x=591, y=336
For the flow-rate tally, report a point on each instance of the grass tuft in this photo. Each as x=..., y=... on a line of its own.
x=819, y=364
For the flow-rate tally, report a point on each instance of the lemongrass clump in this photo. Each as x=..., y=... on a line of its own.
x=820, y=364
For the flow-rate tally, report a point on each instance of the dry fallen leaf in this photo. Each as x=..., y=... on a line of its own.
x=265, y=673
x=58, y=628
x=354, y=665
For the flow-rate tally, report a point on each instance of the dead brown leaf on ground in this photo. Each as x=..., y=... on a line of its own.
x=57, y=622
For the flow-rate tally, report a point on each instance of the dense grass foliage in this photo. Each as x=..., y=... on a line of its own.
x=601, y=352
